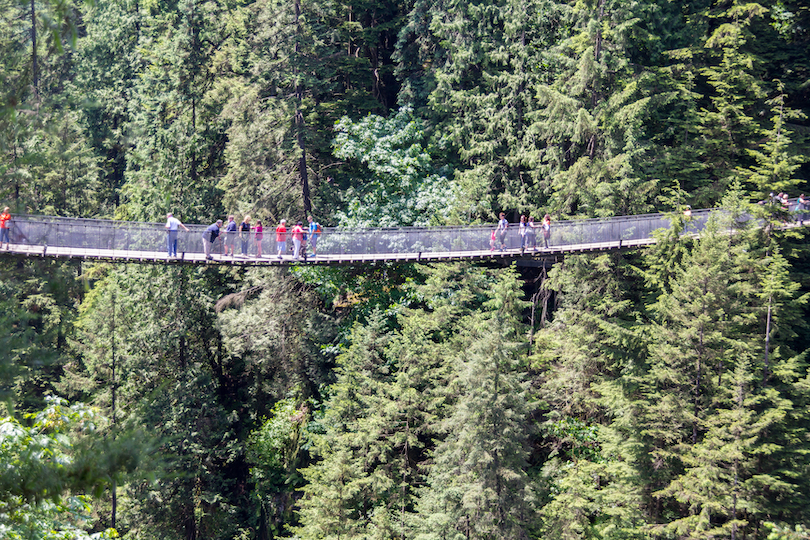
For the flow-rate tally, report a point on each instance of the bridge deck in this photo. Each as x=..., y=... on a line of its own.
x=145, y=256
x=116, y=241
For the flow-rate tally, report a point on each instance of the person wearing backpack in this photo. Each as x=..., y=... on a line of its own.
x=315, y=231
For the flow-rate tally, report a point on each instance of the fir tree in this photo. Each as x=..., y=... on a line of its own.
x=477, y=484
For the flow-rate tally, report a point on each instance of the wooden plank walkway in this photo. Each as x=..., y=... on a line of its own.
x=161, y=257
x=134, y=242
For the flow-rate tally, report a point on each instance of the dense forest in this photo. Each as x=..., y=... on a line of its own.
x=662, y=393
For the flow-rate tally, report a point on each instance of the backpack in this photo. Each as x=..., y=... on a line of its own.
x=318, y=229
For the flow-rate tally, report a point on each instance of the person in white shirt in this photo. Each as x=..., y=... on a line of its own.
x=172, y=228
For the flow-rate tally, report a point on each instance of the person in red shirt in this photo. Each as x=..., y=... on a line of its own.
x=281, y=237
x=297, y=238
x=5, y=217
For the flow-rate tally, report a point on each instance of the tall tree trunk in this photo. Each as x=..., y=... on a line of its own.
x=299, y=121
x=34, y=73
x=767, y=343
x=114, y=487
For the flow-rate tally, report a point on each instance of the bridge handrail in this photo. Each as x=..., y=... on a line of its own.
x=198, y=226
x=83, y=234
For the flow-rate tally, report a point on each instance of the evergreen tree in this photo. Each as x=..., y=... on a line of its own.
x=37, y=310
x=778, y=160
x=593, y=109
x=177, y=135
x=717, y=431
x=149, y=352
x=307, y=65
x=352, y=491
x=471, y=69
x=722, y=479
x=477, y=485
x=106, y=65
x=587, y=358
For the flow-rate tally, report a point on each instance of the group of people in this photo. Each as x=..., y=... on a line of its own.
x=299, y=237
x=800, y=208
x=245, y=230
x=526, y=229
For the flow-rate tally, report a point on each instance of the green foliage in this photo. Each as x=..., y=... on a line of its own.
x=47, y=472
x=780, y=532
x=778, y=159
x=37, y=301
x=581, y=438
x=402, y=187
x=659, y=395
x=275, y=451
x=477, y=484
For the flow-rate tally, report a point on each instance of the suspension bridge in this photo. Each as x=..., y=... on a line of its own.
x=123, y=241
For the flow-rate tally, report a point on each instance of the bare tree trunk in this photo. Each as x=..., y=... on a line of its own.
x=765, y=371
x=34, y=69
x=299, y=123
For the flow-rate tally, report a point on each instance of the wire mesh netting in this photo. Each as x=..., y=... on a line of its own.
x=86, y=235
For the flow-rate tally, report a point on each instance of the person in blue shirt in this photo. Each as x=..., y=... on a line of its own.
x=230, y=235
x=314, y=234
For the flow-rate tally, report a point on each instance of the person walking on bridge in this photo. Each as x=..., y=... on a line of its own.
x=230, y=235
x=5, y=229
x=546, y=227
x=173, y=228
x=209, y=237
x=503, y=224
x=315, y=231
x=281, y=237
x=244, y=234
x=297, y=238
x=259, y=230
x=523, y=229
x=531, y=234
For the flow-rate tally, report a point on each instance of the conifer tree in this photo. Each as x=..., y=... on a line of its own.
x=716, y=430
x=352, y=490
x=177, y=135
x=477, y=485
x=722, y=478
x=587, y=359
x=157, y=331
x=471, y=69
x=778, y=159
x=593, y=107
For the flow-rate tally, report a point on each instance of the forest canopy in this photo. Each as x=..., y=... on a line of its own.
x=659, y=393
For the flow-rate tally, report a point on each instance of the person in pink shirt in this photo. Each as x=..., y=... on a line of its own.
x=259, y=232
